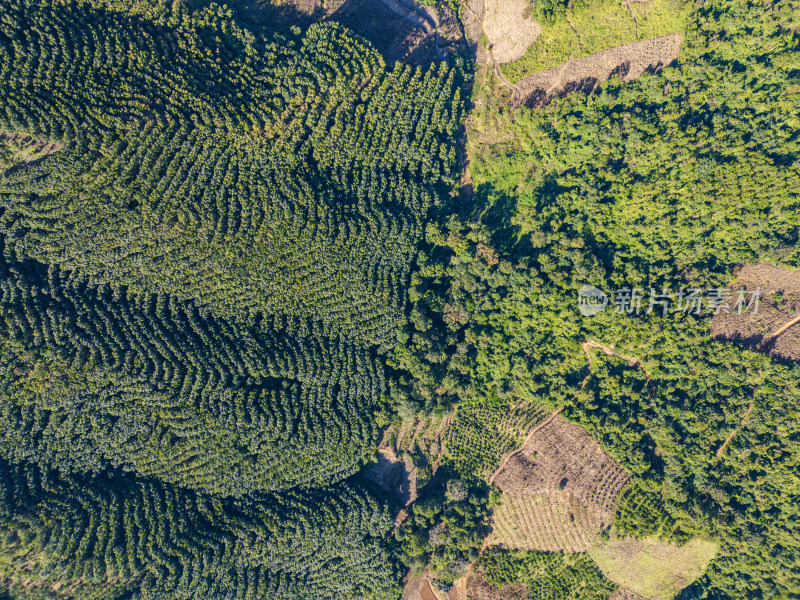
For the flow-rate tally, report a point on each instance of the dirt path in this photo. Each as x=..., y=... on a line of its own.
x=781, y=331
x=633, y=16
x=443, y=427
x=427, y=20
x=510, y=455
x=632, y=361
x=722, y=448
x=413, y=16
x=560, y=75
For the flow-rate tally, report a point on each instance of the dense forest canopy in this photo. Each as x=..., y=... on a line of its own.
x=234, y=263
x=197, y=288
x=664, y=184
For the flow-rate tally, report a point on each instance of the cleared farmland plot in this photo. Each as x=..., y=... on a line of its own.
x=482, y=433
x=651, y=568
x=562, y=457
x=560, y=491
x=542, y=522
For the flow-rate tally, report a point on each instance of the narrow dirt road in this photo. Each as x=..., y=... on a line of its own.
x=722, y=448
x=510, y=455
x=781, y=331
x=632, y=361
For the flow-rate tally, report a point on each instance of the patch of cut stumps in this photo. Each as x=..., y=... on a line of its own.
x=628, y=62
x=559, y=491
x=762, y=311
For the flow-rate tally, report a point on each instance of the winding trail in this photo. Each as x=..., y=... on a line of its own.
x=781, y=331
x=511, y=455
x=427, y=20
x=722, y=448
x=609, y=351
x=409, y=14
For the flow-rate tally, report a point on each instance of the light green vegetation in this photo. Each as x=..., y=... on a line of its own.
x=585, y=29
x=549, y=575
x=652, y=568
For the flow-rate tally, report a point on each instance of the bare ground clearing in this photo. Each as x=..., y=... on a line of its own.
x=560, y=490
x=401, y=29
x=472, y=13
x=627, y=61
x=503, y=464
x=420, y=588
x=775, y=328
x=396, y=476
x=509, y=29
x=24, y=149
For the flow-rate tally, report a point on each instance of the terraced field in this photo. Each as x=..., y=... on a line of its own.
x=542, y=522
x=559, y=490
x=481, y=434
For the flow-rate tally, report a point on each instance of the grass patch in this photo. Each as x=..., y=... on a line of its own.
x=601, y=25
x=652, y=568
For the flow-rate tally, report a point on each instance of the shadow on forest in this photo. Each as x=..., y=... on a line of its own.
x=497, y=211
x=539, y=98
x=391, y=34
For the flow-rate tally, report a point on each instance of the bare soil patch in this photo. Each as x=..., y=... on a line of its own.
x=775, y=328
x=401, y=30
x=472, y=13
x=20, y=149
x=527, y=439
x=627, y=61
x=560, y=490
x=563, y=458
x=419, y=588
x=396, y=476
x=509, y=29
